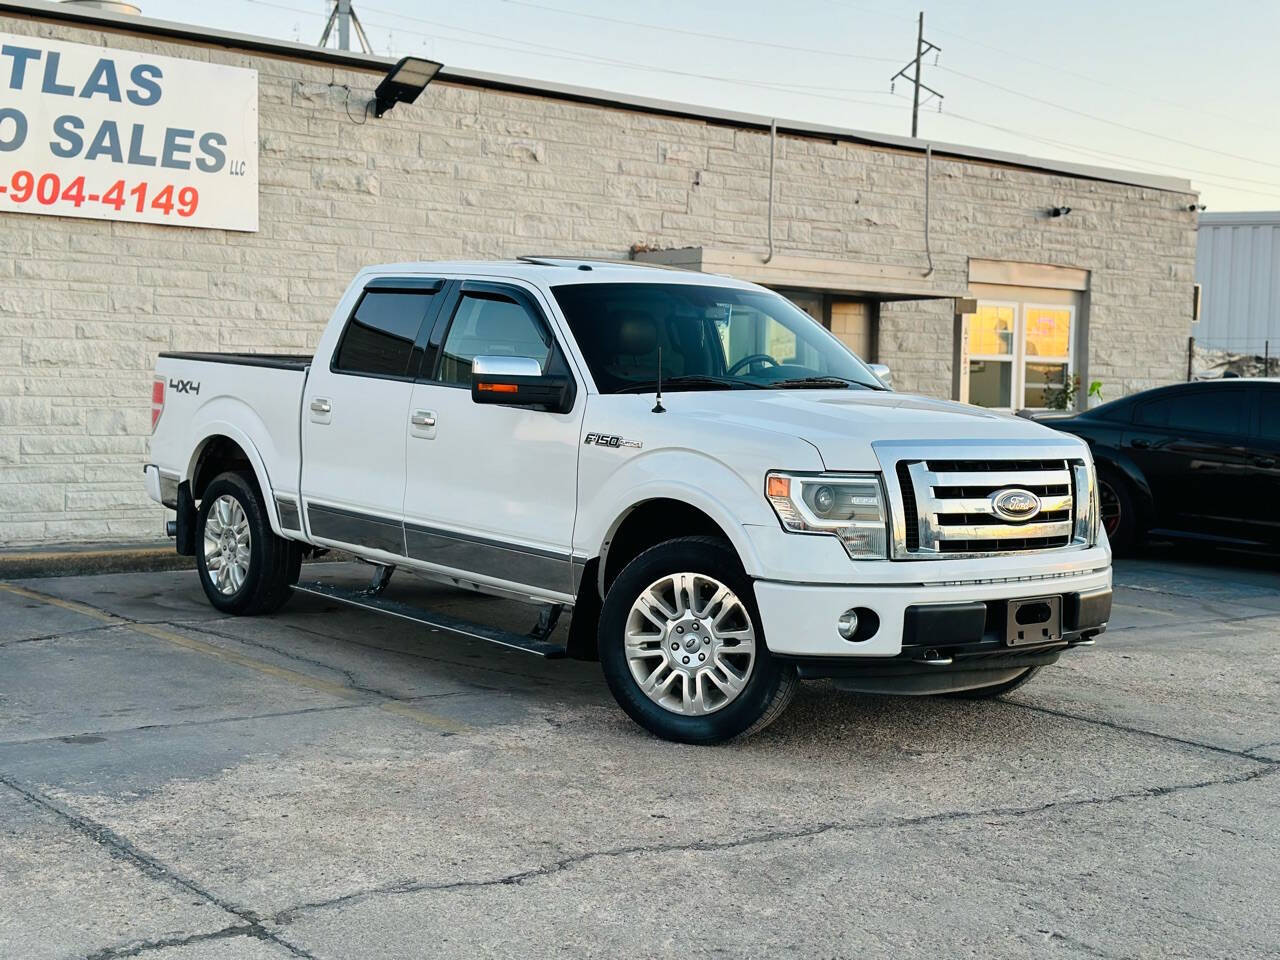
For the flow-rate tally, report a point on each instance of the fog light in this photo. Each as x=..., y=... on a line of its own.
x=847, y=625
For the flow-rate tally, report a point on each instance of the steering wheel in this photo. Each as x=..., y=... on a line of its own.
x=750, y=359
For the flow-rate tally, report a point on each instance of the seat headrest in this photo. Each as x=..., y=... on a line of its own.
x=631, y=333
x=504, y=322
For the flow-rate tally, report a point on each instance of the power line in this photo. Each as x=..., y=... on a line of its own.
x=689, y=33
x=1088, y=151
x=560, y=53
x=1112, y=123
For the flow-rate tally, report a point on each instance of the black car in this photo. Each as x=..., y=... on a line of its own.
x=1196, y=460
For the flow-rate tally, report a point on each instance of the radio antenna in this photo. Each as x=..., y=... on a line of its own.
x=657, y=399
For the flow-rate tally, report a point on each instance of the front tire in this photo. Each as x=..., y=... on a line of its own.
x=245, y=569
x=682, y=647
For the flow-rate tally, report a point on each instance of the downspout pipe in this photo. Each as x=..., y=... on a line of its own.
x=928, y=170
x=773, y=142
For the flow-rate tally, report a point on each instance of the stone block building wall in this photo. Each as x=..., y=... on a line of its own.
x=475, y=172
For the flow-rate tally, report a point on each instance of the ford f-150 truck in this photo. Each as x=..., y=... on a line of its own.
x=724, y=498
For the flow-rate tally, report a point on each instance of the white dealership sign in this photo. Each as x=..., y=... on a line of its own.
x=113, y=135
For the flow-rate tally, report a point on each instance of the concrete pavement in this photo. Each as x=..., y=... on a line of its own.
x=179, y=785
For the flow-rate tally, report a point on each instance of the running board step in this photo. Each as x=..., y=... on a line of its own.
x=370, y=600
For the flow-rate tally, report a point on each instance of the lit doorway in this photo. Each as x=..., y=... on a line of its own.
x=1018, y=354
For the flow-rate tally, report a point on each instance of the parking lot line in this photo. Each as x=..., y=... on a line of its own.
x=426, y=718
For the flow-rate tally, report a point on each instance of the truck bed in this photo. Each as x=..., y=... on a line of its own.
x=278, y=361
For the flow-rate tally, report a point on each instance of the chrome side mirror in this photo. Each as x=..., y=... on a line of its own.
x=520, y=382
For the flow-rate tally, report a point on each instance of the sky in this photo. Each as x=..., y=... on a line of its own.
x=1175, y=87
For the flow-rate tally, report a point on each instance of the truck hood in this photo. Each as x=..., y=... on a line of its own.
x=842, y=424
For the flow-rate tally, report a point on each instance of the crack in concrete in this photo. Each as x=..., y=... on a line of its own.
x=63, y=635
x=1245, y=618
x=486, y=668
x=120, y=848
x=178, y=724
x=351, y=683
x=1125, y=728
x=257, y=931
x=800, y=833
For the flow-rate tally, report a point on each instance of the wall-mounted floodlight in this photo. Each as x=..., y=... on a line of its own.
x=404, y=83
x=1059, y=211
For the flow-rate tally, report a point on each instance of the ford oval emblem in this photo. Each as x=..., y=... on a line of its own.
x=1014, y=504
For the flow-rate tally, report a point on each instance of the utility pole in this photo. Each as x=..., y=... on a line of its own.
x=923, y=47
x=344, y=15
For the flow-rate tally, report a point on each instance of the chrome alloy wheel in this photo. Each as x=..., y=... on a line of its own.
x=226, y=545
x=690, y=644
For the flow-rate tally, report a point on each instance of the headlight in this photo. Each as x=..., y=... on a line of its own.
x=848, y=506
x=1088, y=510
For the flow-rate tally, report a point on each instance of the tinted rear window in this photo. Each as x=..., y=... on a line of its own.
x=379, y=338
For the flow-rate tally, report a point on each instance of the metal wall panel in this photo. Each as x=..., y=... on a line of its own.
x=1238, y=268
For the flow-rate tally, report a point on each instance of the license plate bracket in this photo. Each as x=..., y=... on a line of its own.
x=1033, y=620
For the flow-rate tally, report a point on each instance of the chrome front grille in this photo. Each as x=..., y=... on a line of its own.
x=949, y=506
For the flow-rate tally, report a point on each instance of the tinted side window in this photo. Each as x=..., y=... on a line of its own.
x=1220, y=411
x=490, y=325
x=379, y=338
x=1269, y=401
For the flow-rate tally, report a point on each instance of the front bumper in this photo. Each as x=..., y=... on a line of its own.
x=800, y=619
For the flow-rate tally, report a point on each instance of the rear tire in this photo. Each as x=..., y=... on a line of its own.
x=245, y=569
x=999, y=689
x=680, y=622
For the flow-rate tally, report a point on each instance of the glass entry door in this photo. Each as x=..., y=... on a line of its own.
x=1017, y=355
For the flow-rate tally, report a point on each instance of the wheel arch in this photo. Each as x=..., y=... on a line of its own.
x=1116, y=462
x=223, y=446
x=654, y=520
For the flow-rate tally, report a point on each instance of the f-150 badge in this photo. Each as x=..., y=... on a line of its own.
x=607, y=440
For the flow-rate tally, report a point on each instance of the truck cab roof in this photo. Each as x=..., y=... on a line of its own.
x=550, y=271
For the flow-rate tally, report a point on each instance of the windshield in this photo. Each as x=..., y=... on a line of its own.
x=711, y=338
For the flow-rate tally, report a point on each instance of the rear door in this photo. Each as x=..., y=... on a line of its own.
x=1194, y=446
x=355, y=417
x=491, y=490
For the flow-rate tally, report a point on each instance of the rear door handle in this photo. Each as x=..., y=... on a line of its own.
x=1267, y=462
x=319, y=405
x=1140, y=444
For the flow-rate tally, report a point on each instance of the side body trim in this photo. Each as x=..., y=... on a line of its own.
x=528, y=565
x=360, y=529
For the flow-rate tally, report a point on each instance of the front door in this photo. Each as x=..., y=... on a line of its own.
x=1194, y=447
x=354, y=418
x=1018, y=355
x=491, y=490
x=1265, y=497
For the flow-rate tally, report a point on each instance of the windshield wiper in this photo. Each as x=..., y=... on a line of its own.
x=692, y=382
x=820, y=383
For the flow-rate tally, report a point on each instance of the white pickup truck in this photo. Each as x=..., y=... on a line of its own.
x=724, y=496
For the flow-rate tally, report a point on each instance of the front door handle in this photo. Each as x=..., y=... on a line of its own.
x=1140, y=444
x=1267, y=462
x=423, y=418
x=319, y=405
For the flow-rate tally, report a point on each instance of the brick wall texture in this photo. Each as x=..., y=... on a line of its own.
x=469, y=172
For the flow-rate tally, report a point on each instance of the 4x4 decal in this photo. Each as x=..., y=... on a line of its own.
x=185, y=386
